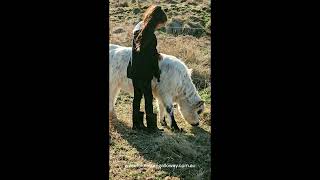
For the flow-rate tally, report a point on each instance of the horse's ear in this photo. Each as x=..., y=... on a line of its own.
x=200, y=103
x=190, y=71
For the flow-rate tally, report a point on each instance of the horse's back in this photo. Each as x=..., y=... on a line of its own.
x=113, y=46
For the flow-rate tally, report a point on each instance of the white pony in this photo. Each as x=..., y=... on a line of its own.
x=175, y=86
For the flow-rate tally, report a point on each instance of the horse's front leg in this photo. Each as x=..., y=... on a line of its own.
x=172, y=121
x=166, y=106
x=162, y=114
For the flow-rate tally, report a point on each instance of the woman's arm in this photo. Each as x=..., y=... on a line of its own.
x=149, y=48
x=156, y=68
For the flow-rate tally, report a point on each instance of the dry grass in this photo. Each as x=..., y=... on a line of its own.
x=132, y=148
x=190, y=147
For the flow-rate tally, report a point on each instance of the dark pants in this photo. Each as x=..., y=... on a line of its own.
x=142, y=88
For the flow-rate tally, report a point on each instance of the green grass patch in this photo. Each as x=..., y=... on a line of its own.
x=205, y=95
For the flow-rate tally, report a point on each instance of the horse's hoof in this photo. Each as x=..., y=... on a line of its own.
x=163, y=124
x=176, y=129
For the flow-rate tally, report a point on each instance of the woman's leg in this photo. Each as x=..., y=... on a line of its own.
x=137, y=116
x=148, y=97
x=137, y=96
x=151, y=117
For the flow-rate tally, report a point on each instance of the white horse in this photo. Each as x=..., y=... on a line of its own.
x=175, y=86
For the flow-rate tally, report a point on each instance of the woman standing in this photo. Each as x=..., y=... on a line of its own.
x=145, y=66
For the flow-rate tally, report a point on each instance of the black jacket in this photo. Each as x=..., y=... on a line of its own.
x=145, y=64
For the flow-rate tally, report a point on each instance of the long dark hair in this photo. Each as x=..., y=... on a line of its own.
x=153, y=16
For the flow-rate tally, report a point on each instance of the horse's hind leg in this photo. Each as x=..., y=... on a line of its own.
x=112, y=100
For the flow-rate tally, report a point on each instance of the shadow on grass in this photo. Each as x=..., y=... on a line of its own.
x=172, y=148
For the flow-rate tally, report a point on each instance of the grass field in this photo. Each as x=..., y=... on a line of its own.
x=136, y=155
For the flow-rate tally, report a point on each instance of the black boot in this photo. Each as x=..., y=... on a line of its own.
x=137, y=120
x=152, y=123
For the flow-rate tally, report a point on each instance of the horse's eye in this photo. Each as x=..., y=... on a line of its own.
x=200, y=111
